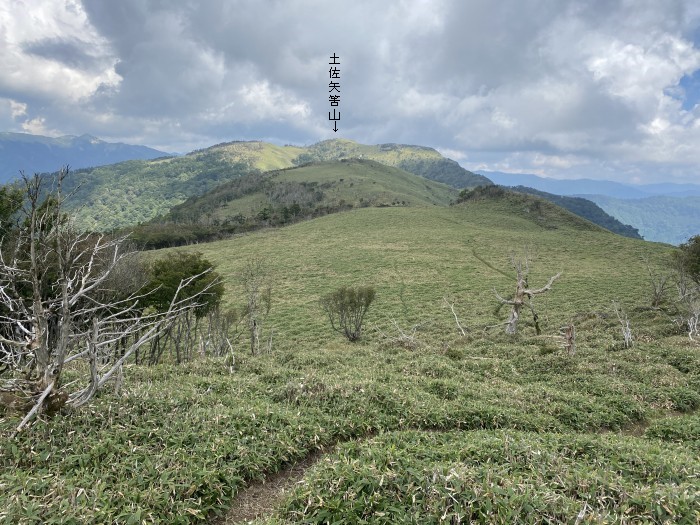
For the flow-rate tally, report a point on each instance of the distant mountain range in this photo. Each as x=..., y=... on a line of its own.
x=593, y=187
x=38, y=154
x=660, y=218
x=120, y=184
x=663, y=212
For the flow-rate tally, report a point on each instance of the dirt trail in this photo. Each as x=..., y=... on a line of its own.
x=262, y=497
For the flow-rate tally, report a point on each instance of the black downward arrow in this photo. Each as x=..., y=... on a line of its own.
x=335, y=126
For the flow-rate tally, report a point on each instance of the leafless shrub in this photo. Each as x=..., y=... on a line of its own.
x=625, y=325
x=568, y=336
x=403, y=338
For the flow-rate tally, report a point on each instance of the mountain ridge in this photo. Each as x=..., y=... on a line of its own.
x=585, y=208
x=24, y=152
x=132, y=192
x=661, y=212
x=582, y=187
x=284, y=197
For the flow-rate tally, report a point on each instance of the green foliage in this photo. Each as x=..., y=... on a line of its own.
x=482, y=192
x=346, y=308
x=419, y=160
x=118, y=195
x=498, y=477
x=183, y=440
x=689, y=258
x=11, y=200
x=680, y=429
x=540, y=210
x=662, y=219
x=168, y=272
x=285, y=197
x=132, y=192
x=541, y=435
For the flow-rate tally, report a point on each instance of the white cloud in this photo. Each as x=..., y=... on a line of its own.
x=558, y=86
x=24, y=23
x=17, y=109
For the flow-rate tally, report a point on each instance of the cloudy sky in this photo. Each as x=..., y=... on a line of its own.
x=595, y=88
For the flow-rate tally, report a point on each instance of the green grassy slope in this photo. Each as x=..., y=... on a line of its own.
x=262, y=156
x=283, y=197
x=131, y=192
x=416, y=256
x=587, y=209
x=419, y=160
x=485, y=427
x=352, y=182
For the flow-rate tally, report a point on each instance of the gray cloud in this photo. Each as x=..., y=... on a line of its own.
x=559, y=87
x=72, y=52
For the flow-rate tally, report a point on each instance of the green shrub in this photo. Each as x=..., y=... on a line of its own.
x=346, y=308
x=498, y=477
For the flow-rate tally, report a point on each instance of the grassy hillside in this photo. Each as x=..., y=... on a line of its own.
x=132, y=192
x=282, y=197
x=664, y=219
x=262, y=156
x=484, y=427
x=415, y=256
x=419, y=160
x=352, y=182
x=586, y=209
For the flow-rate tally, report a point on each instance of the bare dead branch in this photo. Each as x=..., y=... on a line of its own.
x=30, y=415
x=451, y=306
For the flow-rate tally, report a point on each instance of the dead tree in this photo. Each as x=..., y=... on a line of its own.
x=523, y=296
x=625, y=325
x=407, y=339
x=568, y=335
x=258, y=292
x=689, y=310
x=56, y=308
x=687, y=302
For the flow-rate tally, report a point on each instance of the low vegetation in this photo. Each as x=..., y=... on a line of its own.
x=498, y=477
x=465, y=423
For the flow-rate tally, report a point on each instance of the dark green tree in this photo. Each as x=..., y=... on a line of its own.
x=168, y=272
x=10, y=203
x=688, y=258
